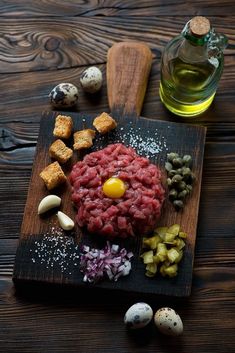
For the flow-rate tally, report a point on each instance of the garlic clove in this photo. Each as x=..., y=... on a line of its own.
x=65, y=222
x=48, y=203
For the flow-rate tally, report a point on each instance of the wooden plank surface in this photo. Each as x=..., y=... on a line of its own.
x=66, y=323
x=41, y=44
x=185, y=139
x=13, y=8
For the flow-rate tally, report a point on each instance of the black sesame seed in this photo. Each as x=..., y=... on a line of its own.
x=175, y=323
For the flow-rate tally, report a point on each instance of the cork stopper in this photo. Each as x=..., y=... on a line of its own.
x=199, y=26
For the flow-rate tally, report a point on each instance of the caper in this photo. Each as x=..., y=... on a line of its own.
x=186, y=171
x=177, y=162
x=180, y=178
x=168, y=166
x=179, y=171
x=172, y=172
x=187, y=174
x=171, y=156
x=192, y=178
x=173, y=194
x=168, y=181
x=178, y=204
x=187, y=160
x=189, y=188
x=189, y=178
x=181, y=185
x=176, y=179
x=182, y=194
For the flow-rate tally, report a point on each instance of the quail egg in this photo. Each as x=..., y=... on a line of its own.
x=91, y=79
x=168, y=322
x=64, y=95
x=138, y=316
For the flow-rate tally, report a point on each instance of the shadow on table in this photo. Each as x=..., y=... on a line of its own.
x=48, y=293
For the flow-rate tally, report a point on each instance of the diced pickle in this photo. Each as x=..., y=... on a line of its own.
x=161, y=252
x=171, y=271
x=169, y=238
x=152, y=268
x=162, y=269
x=174, y=229
x=172, y=255
x=182, y=235
x=156, y=259
x=180, y=244
x=161, y=231
x=147, y=257
x=152, y=242
x=166, y=251
x=179, y=257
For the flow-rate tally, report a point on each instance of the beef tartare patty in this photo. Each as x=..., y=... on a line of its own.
x=136, y=212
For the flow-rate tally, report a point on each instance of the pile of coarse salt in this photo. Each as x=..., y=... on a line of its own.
x=146, y=143
x=55, y=249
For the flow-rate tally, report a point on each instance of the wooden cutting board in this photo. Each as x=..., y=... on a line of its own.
x=48, y=255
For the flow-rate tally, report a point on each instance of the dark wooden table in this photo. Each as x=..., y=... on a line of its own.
x=43, y=43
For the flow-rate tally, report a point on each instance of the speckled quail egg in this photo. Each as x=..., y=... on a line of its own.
x=64, y=95
x=91, y=79
x=138, y=316
x=168, y=322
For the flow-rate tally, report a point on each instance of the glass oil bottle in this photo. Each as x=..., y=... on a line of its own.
x=191, y=67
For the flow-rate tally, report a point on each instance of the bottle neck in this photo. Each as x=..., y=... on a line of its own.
x=191, y=52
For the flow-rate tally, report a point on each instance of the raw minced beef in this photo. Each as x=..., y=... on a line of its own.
x=136, y=212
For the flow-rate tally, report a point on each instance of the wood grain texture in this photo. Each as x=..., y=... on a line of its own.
x=70, y=322
x=12, y=8
x=128, y=68
x=42, y=44
x=28, y=101
x=185, y=139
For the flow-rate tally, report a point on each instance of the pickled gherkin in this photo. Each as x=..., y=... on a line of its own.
x=164, y=251
x=151, y=242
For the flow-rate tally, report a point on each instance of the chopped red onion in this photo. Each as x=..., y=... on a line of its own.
x=110, y=262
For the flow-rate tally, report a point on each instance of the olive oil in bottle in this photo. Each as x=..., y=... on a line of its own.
x=191, y=67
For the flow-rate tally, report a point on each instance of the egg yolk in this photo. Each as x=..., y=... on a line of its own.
x=114, y=188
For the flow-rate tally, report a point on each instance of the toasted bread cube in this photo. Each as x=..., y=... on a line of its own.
x=59, y=151
x=104, y=123
x=53, y=175
x=63, y=126
x=83, y=139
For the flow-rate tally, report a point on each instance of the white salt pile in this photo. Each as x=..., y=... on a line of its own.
x=56, y=249
x=146, y=143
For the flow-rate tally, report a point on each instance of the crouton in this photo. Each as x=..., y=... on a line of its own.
x=63, y=126
x=83, y=139
x=53, y=175
x=104, y=123
x=59, y=151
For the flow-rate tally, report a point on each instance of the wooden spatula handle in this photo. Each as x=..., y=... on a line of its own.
x=128, y=67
